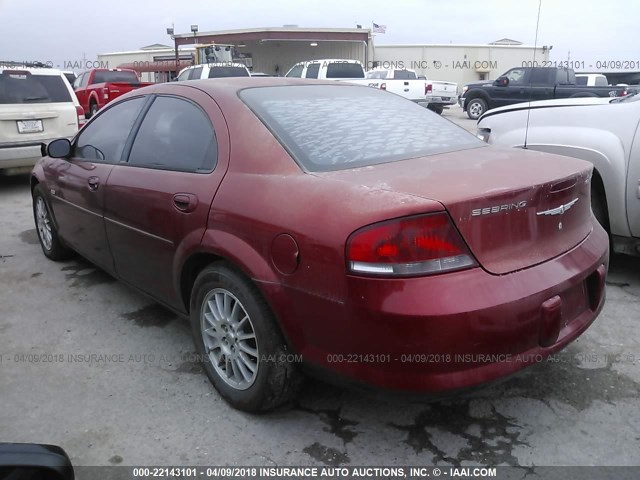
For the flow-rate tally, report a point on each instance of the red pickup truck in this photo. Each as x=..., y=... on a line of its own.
x=98, y=86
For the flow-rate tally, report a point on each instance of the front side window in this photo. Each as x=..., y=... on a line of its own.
x=184, y=75
x=104, y=138
x=175, y=135
x=296, y=71
x=516, y=76
x=333, y=127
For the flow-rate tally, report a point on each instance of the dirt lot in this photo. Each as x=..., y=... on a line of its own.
x=140, y=400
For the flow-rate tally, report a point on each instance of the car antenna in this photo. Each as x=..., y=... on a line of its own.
x=535, y=49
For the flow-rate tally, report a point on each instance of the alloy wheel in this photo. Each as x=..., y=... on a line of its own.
x=229, y=339
x=43, y=222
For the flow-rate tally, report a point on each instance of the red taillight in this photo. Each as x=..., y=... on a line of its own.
x=420, y=245
x=81, y=117
x=383, y=86
x=428, y=88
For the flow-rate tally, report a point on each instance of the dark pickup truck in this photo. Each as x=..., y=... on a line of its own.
x=526, y=84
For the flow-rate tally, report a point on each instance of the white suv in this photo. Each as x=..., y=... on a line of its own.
x=37, y=105
x=213, y=70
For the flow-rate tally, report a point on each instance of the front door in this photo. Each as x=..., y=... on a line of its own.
x=157, y=203
x=78, y=184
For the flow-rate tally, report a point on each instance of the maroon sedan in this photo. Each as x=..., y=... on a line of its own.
x=335, y=223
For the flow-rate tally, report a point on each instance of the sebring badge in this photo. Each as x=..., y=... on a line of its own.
x=561, y=209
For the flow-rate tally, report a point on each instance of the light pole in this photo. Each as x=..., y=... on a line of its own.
x=175, y=49
x=194, y=29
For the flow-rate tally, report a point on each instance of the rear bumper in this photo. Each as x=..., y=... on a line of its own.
x=450, y=331
x=19, y=155
x=445, y=101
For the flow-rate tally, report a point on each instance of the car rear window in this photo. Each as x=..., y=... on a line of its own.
x=404, y=75
x=23, y=87
x=344, y=70
x=104, y=76
x=218, y=72
x=334, y=127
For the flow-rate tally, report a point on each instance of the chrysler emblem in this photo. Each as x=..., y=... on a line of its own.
x=559, y=210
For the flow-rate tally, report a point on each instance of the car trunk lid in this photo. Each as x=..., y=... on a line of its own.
x=514, y=208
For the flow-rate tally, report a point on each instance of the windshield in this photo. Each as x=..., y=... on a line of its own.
x=333, y=127
x=114, y=76
x=23, y=87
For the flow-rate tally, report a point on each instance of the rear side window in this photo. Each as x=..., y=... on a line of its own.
x=218, y=72
x=195, y=73
x=333, y=127
x=114, y=76
x=296, y=71
x=104, y=138
x=175, y=135
x=344, y=70
x=21, y=87
x=312, y=71
x=377, y=74
x=539, y=76
x=601, y=82
x=404, y=75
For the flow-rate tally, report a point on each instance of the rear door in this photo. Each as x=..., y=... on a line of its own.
x=78, y=184
x=157, y=203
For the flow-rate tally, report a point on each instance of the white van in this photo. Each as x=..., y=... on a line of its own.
x=37, y=105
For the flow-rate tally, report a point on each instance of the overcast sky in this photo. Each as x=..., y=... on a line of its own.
x=63, y=30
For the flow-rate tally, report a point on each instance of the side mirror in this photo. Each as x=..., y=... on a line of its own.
x=502, y=82
x=59, y=148
x=28, y=461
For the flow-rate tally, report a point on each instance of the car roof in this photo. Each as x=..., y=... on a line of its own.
x=34, y=71
x=232, y=85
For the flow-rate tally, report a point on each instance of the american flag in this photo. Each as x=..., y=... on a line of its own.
x=379, y=28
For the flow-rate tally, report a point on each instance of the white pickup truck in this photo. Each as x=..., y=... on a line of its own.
x=402, y=82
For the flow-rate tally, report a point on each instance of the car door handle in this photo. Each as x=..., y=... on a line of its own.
x=185, y=202
x=94, y=183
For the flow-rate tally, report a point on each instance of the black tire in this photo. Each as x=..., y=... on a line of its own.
x=599, y=205
x=475, y=108
x=52, y=248
x=437, y=109
x=93, y=109
x=277, y=380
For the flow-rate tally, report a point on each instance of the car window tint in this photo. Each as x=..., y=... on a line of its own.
x=296, y=71
x=404, y=75
x=217, y=72
x=344, y=70
x=184, y=75
x=332, y=127
x=516, y=76
x=312, y=71
x=18, y=86
x=115, y=76
x=175, y=135
x=195, y=73
x=539, y=76
x=581, y=81
x=104, y=138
